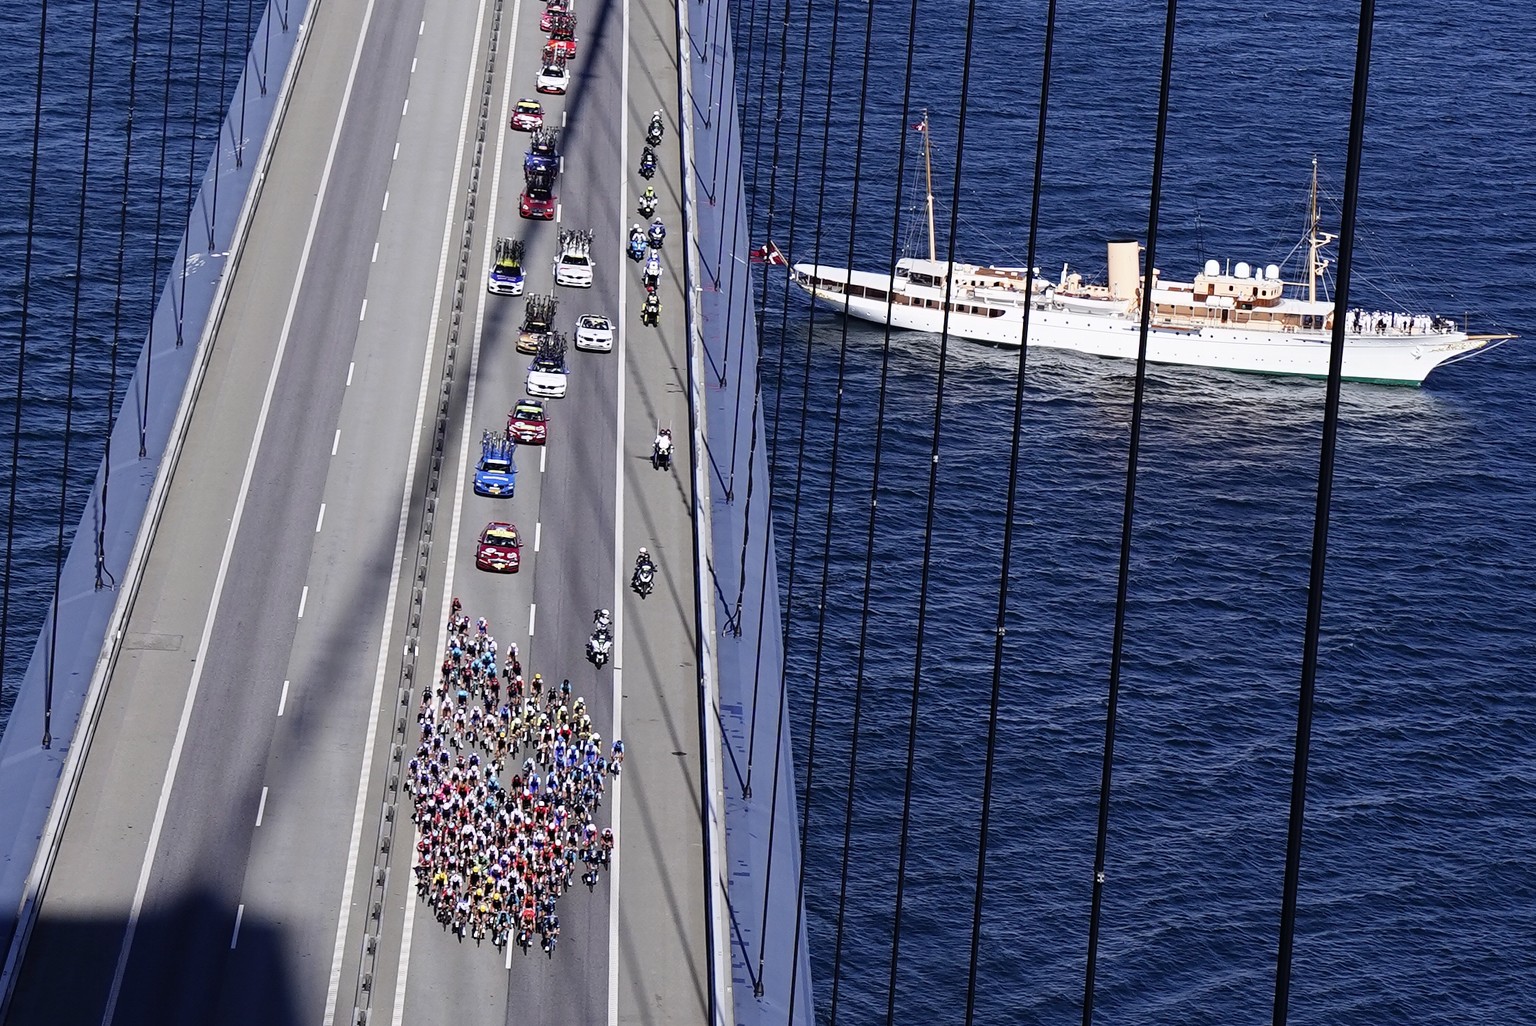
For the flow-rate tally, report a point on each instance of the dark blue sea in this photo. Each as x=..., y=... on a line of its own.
x=78, y=306
x=1417, y=899
x=1418, y=896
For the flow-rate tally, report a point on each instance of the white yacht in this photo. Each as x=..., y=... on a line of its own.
x=1240, y=318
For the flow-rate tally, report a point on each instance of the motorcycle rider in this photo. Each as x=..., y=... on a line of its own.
x=658, y=232
x=636, y=233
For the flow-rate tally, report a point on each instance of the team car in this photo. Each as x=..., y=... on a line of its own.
x=528, y=422
x=500, y=548
x=553, y=8
x=573, y=267
x=527, y=115
x=538, y=318
x=537, y=204
x=553, y=77
x=505, y=277
x=562, y=32
x=594, y=333
x=548, y=373
x=496, y=472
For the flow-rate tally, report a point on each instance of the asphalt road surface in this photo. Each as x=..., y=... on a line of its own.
x=215, y=863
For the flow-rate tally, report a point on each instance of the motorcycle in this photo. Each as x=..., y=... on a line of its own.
x=653, y=134
x=652, y=269
x=647, y=206
x=643, y=579
x=637, y=247
x=650, y=313
x=599, y=648
x=661, y=450
x=656, y=234
x=647, y=163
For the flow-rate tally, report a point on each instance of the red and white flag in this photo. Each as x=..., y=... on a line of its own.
x=921, y=126
x=768, y=253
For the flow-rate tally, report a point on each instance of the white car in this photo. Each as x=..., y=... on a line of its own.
x=594, y=332
x=547, y=379
x=553, y=78
x=574, y=270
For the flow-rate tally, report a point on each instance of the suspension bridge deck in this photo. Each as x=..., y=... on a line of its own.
x=231, y=807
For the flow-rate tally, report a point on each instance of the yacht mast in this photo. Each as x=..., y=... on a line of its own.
x=933, y=253
x=1316, y=240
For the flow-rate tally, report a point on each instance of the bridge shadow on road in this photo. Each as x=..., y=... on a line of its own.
x=188, y=966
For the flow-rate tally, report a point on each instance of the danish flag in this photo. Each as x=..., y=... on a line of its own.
x=768, y=253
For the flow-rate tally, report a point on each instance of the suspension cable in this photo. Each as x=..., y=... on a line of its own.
x=1122, y=587
x=21, y=347
x=154, y=266
x=778, y=394
x=69, y=389
x=826, y=541
x=103, y=576
x=794, y=530
x=869, y=537
x=982, y=830
x=903, y=845
x=1304, y=703
x=192, y=147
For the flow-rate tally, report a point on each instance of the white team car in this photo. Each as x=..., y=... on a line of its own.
x=553, y=78
x=594, y=332
x=574, y=270
x=547, y=378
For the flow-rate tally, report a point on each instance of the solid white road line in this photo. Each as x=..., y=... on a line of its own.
x=620, y=339
x=261, y=808
x=158, y=824
x=402, y=971
x=320, y=520
x=234, y=937
x=282, y=702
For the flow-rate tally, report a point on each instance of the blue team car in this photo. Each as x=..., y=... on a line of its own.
x=496, y=473
x=506, y=274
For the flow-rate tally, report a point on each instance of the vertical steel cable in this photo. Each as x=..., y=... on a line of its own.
x=246, y=65
x=773, y=188
x=1305, y=698
x=102, y=575
x=983, y=828
x=1122, y=587
x=869, y=537
x=826, y=544
x=218, y=145
x=69, y=388
x=903, y=844
x=778, y=393
x=154, y=265
x=192, y=147
x=794, y=530
x=21, y=347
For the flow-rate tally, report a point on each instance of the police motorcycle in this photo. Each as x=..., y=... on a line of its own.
x=653, y=269
x=653, y=131
x=600, y=644
x=637, y=246
x=647, y=163
x=648, y=202
x=656, y=234
x=644, y=576
x=650, y=312
x=661, y=449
